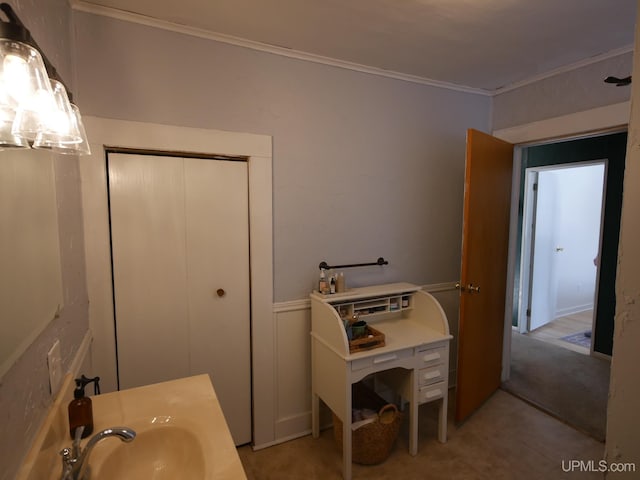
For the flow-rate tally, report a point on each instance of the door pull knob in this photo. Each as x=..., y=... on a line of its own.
x=220, y=292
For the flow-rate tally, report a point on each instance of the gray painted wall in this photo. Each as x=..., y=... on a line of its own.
x=569, y=92
x=24, y=390
x=364, y=166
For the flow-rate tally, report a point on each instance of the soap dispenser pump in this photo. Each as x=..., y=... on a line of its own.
x=80, y=408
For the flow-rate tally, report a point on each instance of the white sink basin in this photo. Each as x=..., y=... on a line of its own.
x=159, y=452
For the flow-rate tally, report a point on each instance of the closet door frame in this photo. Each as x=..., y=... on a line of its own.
x=108, y=133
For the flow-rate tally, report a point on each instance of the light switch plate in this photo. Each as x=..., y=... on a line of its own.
x=54, y=362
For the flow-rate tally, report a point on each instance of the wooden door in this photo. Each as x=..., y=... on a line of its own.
x=180, y=246
x=485, y=239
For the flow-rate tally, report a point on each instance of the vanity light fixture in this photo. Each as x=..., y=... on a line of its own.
x=35, y=106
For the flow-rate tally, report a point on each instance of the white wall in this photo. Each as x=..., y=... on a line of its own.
x=577, y=212
x=623, y=435
x=364, y=166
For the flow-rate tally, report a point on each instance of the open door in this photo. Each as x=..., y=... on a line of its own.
x=483, y=278
x=546, y=251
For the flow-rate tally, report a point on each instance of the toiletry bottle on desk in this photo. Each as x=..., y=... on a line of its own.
x=81, y=408
x=323, y=286
x=340, y=285
x=332, y=284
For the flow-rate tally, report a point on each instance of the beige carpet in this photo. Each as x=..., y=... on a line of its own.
x=569, y=385
x=506, y=439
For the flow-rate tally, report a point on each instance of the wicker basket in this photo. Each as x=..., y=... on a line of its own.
x=372, y=442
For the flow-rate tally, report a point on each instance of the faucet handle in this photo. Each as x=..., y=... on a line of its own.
x=67, y=463
x=66, y=454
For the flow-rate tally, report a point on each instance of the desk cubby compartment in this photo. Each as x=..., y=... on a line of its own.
x=406, y=301
x=344, y=311
x=373, y=306
x=395, y=303
x=370, y=307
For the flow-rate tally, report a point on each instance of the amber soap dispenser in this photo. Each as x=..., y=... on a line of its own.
x=80, y=408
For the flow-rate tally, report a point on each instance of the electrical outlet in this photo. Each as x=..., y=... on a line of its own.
x=54, y=362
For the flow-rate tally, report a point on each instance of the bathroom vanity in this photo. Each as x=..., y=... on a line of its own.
x=413, y=361
x=181, y=433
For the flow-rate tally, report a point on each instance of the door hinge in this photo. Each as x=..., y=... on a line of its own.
x=528, y=312
x=535, y=187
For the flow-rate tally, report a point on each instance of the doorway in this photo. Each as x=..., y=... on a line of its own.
x=609, y=148
x=568, y=385
x=563, y=207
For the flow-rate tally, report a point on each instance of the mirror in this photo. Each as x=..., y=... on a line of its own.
x=30, y=272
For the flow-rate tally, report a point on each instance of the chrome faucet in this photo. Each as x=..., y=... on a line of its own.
x=75, y=460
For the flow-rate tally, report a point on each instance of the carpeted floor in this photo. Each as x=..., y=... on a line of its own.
x=568, y=385
x=505, y=439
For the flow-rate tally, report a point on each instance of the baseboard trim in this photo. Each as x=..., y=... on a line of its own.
x=278, y=441
x=573, y=310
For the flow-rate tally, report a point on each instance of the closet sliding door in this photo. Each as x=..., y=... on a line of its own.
x=180, y=246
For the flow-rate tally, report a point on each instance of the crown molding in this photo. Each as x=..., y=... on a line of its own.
x=564, y=69
x=82, y=6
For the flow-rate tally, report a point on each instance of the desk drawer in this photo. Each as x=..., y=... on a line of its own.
x=432, y=356
x=384, y=359
x=429, y=375
x=432, y=392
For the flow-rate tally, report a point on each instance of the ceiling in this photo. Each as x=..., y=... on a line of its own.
x=481, y=44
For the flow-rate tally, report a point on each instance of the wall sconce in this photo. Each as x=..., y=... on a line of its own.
x=35, y=106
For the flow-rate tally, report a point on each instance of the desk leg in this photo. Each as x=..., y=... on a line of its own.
x=315, y=415
x=413, y=415
x=442, y=421
x=346, y=449
x=346, y=434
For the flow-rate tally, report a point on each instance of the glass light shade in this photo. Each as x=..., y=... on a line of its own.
x=7, y=138
x=24, y=87
x=83, y=146
x=59, y=124
x=49, y=141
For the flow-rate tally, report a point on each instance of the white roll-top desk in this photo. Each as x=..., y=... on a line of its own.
x=413, y=362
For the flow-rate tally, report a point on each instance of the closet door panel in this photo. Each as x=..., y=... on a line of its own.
x=149, y=265
x=217, y=244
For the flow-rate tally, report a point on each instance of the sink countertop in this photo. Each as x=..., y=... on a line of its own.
x=188, y=403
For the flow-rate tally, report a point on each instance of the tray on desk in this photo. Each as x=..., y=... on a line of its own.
x=372, y=339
